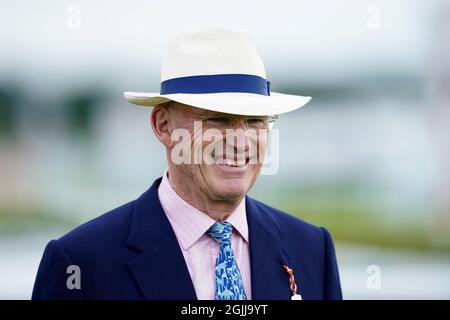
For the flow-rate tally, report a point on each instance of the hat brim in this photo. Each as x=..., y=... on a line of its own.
x=228, y=102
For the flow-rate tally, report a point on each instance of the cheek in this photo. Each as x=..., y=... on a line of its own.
x=259, y=144
x=197, y=146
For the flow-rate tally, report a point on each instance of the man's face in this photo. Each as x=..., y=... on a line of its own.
x=226, y=154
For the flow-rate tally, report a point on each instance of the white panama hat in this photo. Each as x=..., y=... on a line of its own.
x=217, y=69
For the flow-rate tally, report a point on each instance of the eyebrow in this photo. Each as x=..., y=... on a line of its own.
x=210, y=113
x=226, y=115
x=231, y=115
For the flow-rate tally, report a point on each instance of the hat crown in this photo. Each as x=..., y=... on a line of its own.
x=209, y=52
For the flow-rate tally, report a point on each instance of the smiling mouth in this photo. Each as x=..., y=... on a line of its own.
x=232, y=163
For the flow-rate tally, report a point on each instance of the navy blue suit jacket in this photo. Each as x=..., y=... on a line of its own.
x=132, y=252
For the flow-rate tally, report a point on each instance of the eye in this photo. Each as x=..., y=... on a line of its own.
x=219, y=121
x=256, y=122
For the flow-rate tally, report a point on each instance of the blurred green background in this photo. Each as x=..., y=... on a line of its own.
x=367, y=157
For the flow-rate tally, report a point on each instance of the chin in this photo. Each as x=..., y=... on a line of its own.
x=231, y=188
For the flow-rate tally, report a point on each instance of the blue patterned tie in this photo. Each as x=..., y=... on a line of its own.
x=228, y=277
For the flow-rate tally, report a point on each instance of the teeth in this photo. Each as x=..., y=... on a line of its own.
x=230, y=162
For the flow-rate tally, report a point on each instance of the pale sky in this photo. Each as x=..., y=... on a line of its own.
x=302, y=37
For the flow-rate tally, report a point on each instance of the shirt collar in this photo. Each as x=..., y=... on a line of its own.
x=188, y=222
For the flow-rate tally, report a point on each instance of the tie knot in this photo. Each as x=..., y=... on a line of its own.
x=221, y=232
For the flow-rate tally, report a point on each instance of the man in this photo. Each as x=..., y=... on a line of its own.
x=195, y=234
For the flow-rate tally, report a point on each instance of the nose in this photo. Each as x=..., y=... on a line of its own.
x=240, y=140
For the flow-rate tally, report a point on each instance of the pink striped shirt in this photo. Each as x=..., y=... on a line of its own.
x=200, y=251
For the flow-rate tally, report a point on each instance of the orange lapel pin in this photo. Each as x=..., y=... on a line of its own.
x=292, y=284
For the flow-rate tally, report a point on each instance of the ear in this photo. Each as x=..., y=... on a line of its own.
x=160, y=121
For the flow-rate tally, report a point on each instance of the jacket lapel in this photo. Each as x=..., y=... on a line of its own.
x=269, y=279
x=160, y=269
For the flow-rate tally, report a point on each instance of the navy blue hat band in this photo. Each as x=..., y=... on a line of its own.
x=217, y=83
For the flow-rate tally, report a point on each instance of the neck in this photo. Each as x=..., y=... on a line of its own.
x=218, y=210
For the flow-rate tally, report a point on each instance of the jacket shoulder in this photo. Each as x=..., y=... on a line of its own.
x=100, y=235
x=289, y=224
